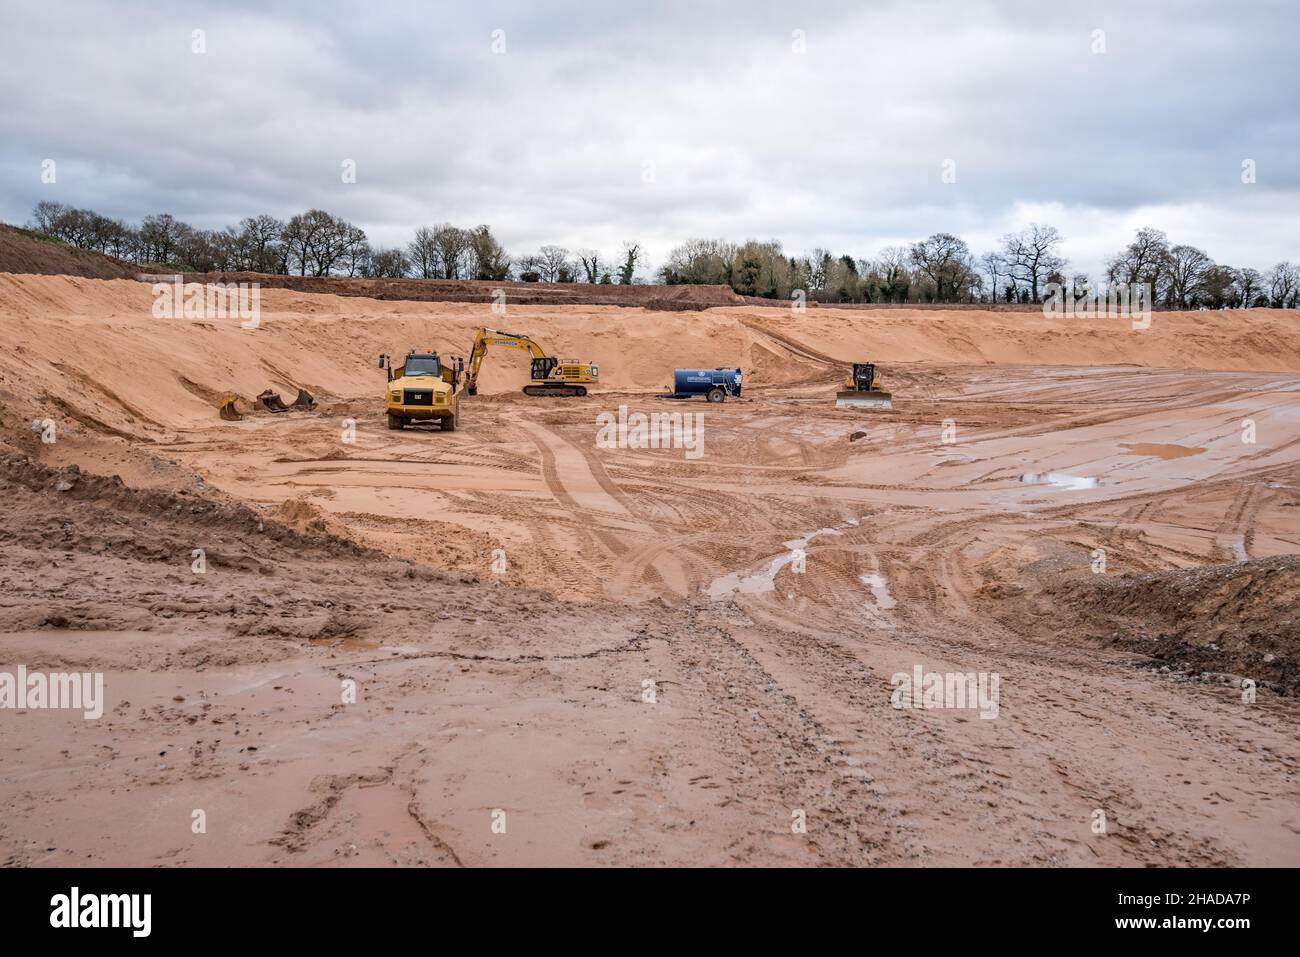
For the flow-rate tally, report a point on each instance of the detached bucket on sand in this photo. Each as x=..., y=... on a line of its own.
x=271, y=402
x=873, y=399
x=229, y=409
x=305, y=401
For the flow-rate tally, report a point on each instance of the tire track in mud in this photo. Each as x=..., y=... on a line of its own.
x=551, y=474
x=617, y=580
x=948, y=779
x=788, y=758
x=1236, y=532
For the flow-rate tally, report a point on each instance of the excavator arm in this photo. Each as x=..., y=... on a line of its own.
x=542, y=363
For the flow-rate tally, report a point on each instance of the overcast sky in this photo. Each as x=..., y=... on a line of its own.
x=607, y=121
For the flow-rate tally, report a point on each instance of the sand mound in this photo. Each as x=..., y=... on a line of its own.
x=91, y=354
x=1242, y=619
x=22, y=251
x=75, y=492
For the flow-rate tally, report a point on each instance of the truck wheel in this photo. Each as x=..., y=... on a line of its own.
x=717, y=395
x=450, y=422
x=396, y=421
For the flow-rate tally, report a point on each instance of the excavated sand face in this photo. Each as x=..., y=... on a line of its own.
x=644, y=655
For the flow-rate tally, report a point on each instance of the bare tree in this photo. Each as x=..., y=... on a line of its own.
x=818, y=269
x=550, y=260
x=1188, y=270
x=945, y=260
x=356, y=258
x=451, y=248
x=626, y=272
x=388, y=264
x=487, y=258
x=44, y=216
x=895, y=276
x=1283, y=285
x=994, y=267
x=699, y=261
x=258, y=247
x=160, y=238
x=1247, y=285
x=1219, y=287
x=299, y=237
x=1031, y=255
x=319, y=242
x=1145, y=260
x=530, y=269
x=423, y=253
x=590, y=260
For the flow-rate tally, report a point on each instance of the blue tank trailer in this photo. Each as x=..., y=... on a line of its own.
x=713, y=384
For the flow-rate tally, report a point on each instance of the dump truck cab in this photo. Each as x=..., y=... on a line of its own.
x=423, y=388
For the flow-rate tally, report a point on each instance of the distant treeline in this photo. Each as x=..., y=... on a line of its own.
x=941, y=268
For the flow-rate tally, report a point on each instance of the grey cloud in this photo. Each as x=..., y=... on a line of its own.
x=839, y=147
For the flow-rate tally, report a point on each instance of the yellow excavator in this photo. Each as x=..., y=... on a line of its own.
x=550, y=376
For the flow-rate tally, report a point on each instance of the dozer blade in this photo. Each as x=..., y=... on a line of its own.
x=864, y=400
x=305, y=401
x=229, y=410
x=271, y=402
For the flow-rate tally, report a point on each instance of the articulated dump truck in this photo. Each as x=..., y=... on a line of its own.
x=423, y=388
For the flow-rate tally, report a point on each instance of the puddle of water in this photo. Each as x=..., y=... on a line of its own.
x=1159, y=451
x=349, y=644
x=753, y=583
x=1060, y=480
x=880, y=589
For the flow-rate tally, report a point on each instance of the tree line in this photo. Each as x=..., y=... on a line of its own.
x=938, y=269
x=317, y=243
x=942, y=268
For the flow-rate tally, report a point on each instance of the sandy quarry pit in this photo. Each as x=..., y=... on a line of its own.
x=522, y=690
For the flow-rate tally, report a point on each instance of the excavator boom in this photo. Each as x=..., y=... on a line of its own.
x=549, y=375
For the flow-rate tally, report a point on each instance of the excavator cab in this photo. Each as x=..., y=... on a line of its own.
x=543, y=366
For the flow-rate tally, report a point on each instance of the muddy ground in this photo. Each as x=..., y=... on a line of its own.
x=614, y=653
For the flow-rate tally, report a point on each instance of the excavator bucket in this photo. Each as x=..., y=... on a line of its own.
x=872, y=399
x=229, y=410
x=271, y=402
x=305, y=401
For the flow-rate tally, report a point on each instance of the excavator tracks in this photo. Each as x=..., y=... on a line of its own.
x=555, y=389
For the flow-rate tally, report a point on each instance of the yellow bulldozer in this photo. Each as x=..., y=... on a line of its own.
x=423, y=388
x=550, y=376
